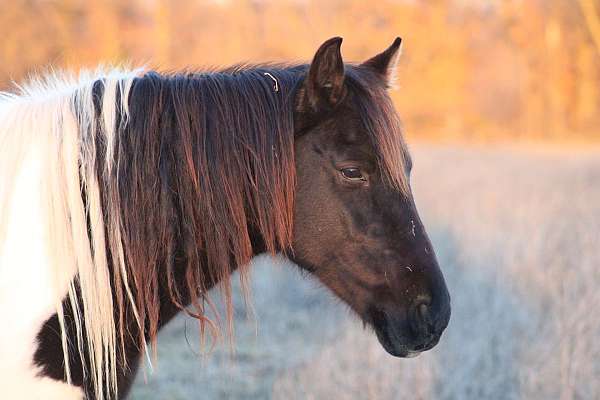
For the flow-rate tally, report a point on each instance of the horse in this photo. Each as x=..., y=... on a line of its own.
x=127, y=195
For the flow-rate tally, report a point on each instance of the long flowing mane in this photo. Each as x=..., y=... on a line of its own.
x=149, y=177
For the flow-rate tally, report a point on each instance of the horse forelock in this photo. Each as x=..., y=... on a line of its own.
x=382, y=123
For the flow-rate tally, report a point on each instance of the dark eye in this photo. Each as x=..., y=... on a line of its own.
x=353, y=174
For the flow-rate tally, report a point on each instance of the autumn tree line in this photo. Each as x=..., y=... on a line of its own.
x=470, y=69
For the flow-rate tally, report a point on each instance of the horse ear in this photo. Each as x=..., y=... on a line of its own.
x=324, y=84
x=385, y=63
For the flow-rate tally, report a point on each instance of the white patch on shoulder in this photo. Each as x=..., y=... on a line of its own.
x=40, y=389
x=27, y=293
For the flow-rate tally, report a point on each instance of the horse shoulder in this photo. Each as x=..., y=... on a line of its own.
x=28, y=294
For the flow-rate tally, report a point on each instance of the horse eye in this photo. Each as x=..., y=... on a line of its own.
x=353, y=174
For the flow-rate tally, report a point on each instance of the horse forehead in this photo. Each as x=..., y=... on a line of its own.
x=344, y=130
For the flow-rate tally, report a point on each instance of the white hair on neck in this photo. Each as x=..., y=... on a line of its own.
x=55, y=117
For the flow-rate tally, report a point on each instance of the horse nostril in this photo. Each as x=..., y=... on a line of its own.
x=423, y=310
x=421, y=321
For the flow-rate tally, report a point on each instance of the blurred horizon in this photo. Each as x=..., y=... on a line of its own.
x=470, y=70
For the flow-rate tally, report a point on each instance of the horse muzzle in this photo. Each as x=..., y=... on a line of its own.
x=407, y=333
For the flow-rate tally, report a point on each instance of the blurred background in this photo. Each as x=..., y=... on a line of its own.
x=474, y=69
x=500, y=102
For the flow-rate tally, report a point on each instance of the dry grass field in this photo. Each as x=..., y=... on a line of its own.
x=517, y=232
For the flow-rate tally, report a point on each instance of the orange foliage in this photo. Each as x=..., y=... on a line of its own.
x=471, y=68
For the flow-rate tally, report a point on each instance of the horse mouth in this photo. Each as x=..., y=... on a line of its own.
x=392, y=347
x=395, y=343
x=401, y=349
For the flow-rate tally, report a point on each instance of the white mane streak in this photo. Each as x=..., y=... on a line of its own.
x=51, y=123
